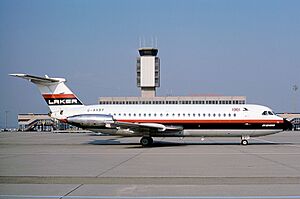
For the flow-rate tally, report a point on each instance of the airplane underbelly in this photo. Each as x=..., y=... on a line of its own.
x=228, y=132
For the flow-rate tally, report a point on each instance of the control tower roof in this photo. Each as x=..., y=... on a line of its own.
x=148, y=51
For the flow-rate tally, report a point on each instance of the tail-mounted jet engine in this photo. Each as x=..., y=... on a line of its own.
x=90, y=120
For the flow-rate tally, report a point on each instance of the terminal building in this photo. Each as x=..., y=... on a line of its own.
x=294, y=118
x=36, y=122
x=148, y=79
x=41, y=122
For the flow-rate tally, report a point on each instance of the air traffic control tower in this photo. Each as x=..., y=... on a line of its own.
x=148, y=71
x=148, y=79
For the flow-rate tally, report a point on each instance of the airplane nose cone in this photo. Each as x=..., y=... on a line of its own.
x=287, y=125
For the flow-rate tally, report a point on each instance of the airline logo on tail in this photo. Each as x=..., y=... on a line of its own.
x=61, y=99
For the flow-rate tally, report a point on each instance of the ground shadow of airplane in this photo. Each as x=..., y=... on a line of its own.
x=158, y=144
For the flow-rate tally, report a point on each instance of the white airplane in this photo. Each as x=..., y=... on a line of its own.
x=166, y=120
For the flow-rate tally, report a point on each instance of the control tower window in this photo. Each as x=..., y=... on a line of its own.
x=148, y=52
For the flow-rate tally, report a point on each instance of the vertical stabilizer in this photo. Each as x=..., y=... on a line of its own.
x=56, y=94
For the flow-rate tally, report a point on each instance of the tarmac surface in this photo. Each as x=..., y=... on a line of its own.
x=48, y=165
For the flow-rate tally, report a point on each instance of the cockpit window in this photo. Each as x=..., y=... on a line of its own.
x=268, y=113
x=265, y=113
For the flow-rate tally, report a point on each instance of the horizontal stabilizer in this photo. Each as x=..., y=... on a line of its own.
x=38, y=79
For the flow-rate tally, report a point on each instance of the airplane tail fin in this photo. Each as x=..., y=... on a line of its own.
x=56, y=94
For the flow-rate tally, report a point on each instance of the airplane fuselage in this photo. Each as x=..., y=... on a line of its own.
x=194, y=120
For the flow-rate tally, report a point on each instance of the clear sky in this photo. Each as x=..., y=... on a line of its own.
x=228, y=47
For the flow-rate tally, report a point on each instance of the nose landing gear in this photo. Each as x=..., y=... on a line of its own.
x=244, y=140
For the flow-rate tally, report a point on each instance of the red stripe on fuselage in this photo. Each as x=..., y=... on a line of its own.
x=59, y=96
x=205, y=121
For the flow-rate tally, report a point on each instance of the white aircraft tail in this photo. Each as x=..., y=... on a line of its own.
x=56, y=94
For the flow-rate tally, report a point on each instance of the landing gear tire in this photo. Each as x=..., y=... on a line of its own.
x=146, y=141
x=244, y=142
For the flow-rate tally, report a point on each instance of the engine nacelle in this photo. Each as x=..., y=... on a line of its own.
x=90, y=120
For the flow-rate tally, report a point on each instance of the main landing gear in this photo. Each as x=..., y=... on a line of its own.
x=244, y=140
x=146, y=141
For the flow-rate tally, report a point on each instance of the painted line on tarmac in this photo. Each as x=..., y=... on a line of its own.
x=258, y=153
x=187, y=180
x=151, y=197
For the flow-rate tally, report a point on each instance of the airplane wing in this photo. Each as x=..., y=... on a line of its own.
x=142, y=127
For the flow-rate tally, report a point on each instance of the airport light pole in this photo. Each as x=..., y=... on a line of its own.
x=295, y=88
x=6, y=113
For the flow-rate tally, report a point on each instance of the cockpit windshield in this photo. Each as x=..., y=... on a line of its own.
x=268, y=113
